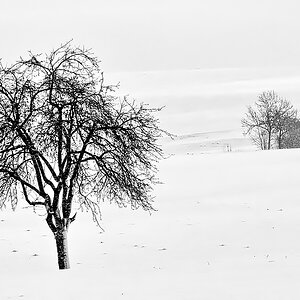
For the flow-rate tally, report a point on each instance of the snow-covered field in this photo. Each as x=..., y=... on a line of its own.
x=227, y=226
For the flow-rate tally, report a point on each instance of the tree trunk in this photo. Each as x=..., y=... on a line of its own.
x=62, y=249
x=269, y=140
x=279, y=139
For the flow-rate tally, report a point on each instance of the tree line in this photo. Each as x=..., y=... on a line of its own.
x=272, y=122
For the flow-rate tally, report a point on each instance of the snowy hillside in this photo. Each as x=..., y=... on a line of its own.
x=227, y=222
x=227, y=227
x=208, y=142
x=206, y=100
x=227, y=219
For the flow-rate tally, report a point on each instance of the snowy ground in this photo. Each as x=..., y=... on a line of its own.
x=227, y=227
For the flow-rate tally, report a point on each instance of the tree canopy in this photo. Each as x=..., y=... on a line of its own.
x=65, y=136
x=270, y=120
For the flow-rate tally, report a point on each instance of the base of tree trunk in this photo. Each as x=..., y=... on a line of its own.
x=62, y=249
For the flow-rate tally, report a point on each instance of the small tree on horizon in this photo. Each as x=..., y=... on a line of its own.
x=65, y=137
x=268, y=122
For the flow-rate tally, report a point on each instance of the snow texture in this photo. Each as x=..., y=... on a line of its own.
x=227, y=223
x=227, y=227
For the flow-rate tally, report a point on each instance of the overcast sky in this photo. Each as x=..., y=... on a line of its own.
x=158, y=35
x=238, y=48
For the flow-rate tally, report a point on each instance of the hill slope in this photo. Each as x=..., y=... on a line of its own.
x=227, y=227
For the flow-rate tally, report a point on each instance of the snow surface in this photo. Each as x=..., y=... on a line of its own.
x=227, y=226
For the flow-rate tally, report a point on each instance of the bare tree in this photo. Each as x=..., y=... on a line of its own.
x=268, y=121
x=65, y=137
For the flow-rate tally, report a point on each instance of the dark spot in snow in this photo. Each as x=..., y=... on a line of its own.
x=14, y=251
x=247, y=247
x=280, y=209
x=222, y=245
x=2, y=220
x=35, y=254
x=27, y=229
x=135, y=246
x=162, y=249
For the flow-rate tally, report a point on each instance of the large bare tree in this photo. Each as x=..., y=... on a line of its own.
x=65, y=137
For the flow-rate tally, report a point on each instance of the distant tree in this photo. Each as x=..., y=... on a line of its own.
x=268, y=122
x=259, y=138
x=66, y=137
x=291, y=138
x=286, y=120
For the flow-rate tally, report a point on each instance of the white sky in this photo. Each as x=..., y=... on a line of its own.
x=235, y=49
x=159, y=34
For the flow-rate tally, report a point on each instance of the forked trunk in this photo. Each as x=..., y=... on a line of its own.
x=62, y=249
